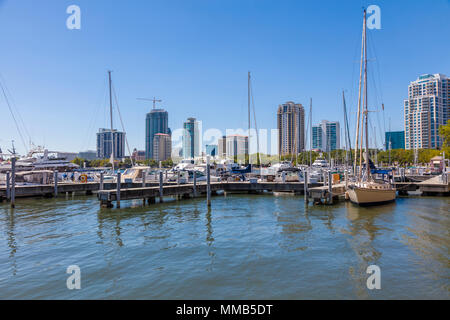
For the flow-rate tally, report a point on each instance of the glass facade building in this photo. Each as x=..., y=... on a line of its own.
x=157, y=121
x=395, y=139
x=104, y=144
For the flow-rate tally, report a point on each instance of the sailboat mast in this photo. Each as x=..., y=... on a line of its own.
x=358, y=118
x=366, y=111
x=111, y=118
x=249, y=120
x=345, y=129
x=311, y=133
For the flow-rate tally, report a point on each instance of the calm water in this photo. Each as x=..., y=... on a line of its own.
x=246, y=247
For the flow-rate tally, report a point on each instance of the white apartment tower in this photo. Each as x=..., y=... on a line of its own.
x=426, y=109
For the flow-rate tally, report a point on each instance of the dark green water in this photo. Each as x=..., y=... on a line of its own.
x=246, y=247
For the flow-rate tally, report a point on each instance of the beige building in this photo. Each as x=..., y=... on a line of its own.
x=237, y=147
x=426, y=109
x=162, y=147
x=222, y=147
x=291, y=128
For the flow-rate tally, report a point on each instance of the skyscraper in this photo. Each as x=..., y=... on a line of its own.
x=211, y=150
x=237, y=147
x=291, y=128
x=326, y=136
x=157, y=121
x=317, y=137
x=222, y=150
x=162, y=147
x=104, y=144
x=426, y=109
x=191, y=139
x=395, y=139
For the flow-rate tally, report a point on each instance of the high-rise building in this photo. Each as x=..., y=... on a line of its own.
x=212, y=150
x=87, y=155
x=395, y=139
x=104, y=144
x=237, y=147
x=162, y=147
x=426, y=109
x=157, y=121
x=326, y=136
x=317, y=137
x=191, y=139
x=291, y=128
x=222, y=144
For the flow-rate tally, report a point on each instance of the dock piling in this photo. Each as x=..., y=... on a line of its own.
x=208, y=183
x=8, y=186
x=330, y=188
x=195, y=184
x=305, y=178
x=118, y=188
x=13, y=182
x=161, y=189
x=101, y=181
x=55, y=181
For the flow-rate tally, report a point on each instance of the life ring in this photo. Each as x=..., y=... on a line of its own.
x=83, y=178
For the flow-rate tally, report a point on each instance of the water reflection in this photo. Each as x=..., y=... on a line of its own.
x=363, y=227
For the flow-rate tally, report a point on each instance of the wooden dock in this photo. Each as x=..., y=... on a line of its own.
x=150, y=194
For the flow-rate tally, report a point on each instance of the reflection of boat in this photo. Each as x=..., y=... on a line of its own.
x=367, y=191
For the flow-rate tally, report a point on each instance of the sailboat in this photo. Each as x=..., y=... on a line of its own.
x=365, y=190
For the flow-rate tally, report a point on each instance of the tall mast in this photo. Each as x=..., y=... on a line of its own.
x=366, y=99
x=111, y=115
x=249, y=120
x=345, y=129
x=358, y=120
x=310, y=134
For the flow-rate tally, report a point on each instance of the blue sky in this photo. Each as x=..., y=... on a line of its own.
x=195, y=55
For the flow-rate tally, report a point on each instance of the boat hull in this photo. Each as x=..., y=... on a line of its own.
x=371, y=197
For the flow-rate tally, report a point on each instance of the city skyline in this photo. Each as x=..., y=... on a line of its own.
x=69, y=85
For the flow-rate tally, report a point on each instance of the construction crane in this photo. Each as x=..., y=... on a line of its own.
x=154, y=100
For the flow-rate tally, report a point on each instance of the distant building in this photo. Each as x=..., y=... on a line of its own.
x=212, y=150
x=138, y=155
x=88, y=155
x=191, y=139
x=326, y=136
x=426, y=109
x=237, y=147
x=104, y=144
x=396, y=140
x=157, y=121
x=317, y=137
x=177, y=153
x=291, y=128
x=222, y=147
x=162, y=147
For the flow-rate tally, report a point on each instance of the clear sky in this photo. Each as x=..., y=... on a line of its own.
x=195, y=55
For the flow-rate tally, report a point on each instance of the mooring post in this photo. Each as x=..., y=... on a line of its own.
x=13, y=182
x=305, y=178
x=161, y=189
x=101, y=181
x=195, y=183
x=55, y=182
x=8, y=186
x=346, y=179
x=178, y=177
x=119, y=180
x=208, y=183
x=330, y=188
x=166, y=175
x=144, y=173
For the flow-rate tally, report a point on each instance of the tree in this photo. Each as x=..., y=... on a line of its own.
x=444, y=132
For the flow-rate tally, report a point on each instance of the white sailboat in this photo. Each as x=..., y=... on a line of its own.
x=365, y=190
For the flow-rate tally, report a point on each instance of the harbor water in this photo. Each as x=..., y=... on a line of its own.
x=244, y=247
